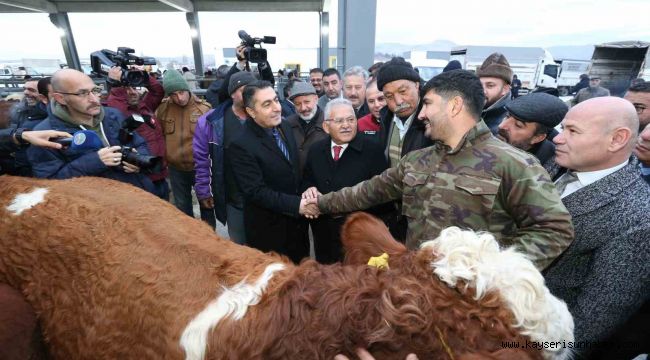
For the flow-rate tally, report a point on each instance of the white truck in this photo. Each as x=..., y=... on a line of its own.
x=428, y=63
x=570, y=71
x=618, y=63
x=534, y=66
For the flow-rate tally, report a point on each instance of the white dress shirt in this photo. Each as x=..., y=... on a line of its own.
x=343, y=147
x=403, y=126
x=587, y=178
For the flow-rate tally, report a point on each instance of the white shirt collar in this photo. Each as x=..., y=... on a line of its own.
x=343, y=147
x=403, y=127
x=586, y=178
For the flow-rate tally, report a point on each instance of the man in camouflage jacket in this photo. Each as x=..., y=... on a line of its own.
x=467, y=179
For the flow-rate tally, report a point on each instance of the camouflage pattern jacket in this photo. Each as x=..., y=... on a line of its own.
x=484, y=185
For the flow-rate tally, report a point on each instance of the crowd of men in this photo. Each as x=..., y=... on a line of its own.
x=458, y=150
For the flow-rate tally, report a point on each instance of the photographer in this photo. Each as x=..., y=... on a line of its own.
x=75, y=107
x=127, y=99
x=242, y=64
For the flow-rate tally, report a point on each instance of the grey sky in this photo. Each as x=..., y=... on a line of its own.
x=472, y=22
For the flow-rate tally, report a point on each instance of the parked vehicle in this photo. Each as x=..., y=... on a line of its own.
x=618, y=63
x=570, y=71
x=428, y=63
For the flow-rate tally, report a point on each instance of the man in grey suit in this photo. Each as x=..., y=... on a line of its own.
x=604, y=275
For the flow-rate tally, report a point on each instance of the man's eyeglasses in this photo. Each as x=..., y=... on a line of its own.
x=84, y=93
x=340, y=121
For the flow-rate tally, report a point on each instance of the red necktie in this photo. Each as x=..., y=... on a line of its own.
x=337, y=151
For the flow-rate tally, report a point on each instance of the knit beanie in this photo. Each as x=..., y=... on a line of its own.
x=239, y=79
x=496, y=65
x=396, y=69
x=174, y=81
x=452, y=65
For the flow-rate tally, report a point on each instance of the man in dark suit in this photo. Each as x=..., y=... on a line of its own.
x=341, y=160
x=264, y=159
x=603, y=275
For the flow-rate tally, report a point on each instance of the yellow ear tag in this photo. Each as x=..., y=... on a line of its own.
x=380, y=262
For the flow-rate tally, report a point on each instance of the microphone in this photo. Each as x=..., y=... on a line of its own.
x=82, y=140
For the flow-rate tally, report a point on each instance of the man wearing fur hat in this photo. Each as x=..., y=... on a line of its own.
x=179, y=113
x=496, y=76
x=529, y=121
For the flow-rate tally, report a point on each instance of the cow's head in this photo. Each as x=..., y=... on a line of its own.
x=463, y=293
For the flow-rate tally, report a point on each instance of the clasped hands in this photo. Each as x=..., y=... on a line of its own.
x=309, y=203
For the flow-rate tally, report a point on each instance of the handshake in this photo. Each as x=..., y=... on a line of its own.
x=309, y=203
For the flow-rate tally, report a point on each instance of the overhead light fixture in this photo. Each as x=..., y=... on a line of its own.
x=194, y=33
x=324, y=30
x=60, y=31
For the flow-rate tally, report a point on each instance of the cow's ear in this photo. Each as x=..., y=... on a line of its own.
x=364, y=236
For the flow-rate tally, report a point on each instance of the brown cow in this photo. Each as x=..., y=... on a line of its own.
x=115, y=273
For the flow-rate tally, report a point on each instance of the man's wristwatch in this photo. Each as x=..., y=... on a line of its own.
x=18, y=135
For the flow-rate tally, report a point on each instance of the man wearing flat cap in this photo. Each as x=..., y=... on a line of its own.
x=215, y=184
x=529, y=120
x=496, y=77
x=307, y=122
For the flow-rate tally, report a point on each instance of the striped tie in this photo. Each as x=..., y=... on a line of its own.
x=566, y=179
x=281, y=144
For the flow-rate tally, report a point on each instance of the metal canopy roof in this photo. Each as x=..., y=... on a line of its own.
x=53, y=6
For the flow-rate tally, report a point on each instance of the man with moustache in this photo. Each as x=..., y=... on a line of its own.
x=354, y=89
x=400, y=131
x=28, y=113
x=529, y=121
x=307, y=123
x=496, y=77
x=467, y=179
x=342, y=159
x=316, y=79
x=76, y=107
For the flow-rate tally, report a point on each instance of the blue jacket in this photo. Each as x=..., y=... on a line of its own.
x=68, y=163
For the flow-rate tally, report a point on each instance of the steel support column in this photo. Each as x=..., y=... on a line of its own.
x=193, y=21
x=61, y=21
x=324, y=50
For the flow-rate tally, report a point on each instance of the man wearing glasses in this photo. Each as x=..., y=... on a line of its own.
x=76, y=106
x=467, y=179
x=639, y=95
x=340, y=160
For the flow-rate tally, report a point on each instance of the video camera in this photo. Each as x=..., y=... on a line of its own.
x=126, y=136
x=251, y=53
x=101, y=61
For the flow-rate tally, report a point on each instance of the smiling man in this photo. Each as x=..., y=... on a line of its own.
x=266, y=165
x=467, y=179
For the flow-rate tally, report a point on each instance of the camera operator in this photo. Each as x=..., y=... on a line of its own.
x=263, y=68
x=128, y=100
x=76, y=106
